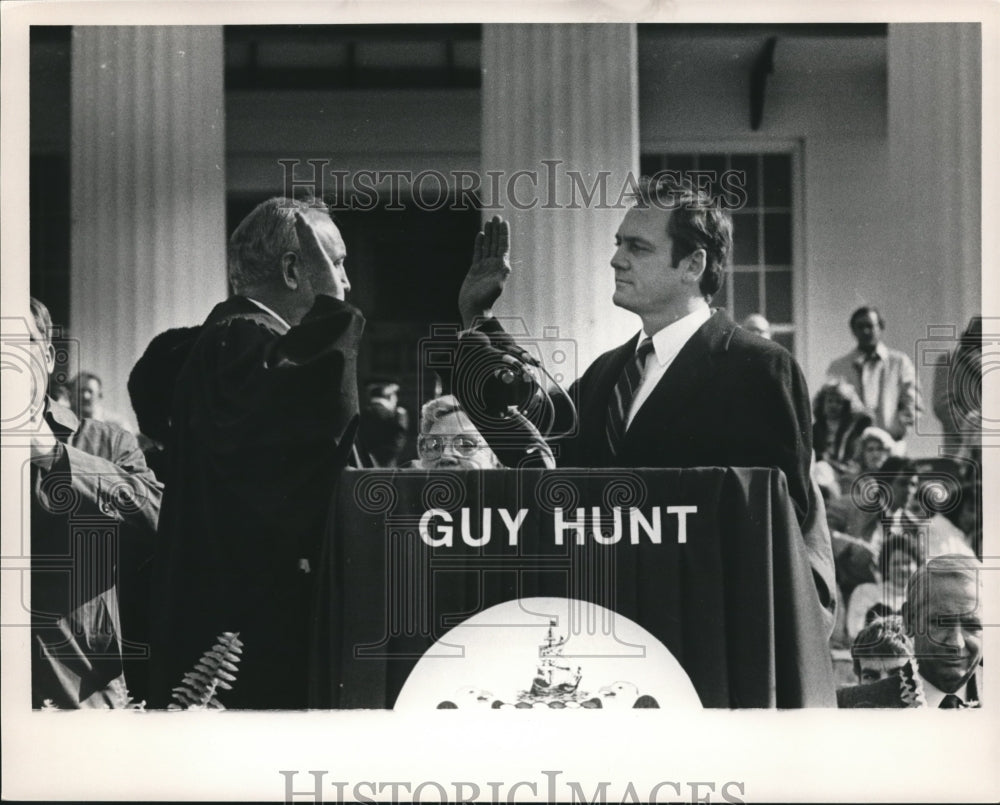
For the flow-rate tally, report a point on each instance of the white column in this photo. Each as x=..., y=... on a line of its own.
x=568, y=93
x=148, y=190
x=935, y=91
x=935, y=103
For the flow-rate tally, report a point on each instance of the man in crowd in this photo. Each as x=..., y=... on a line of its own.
x=448, y=439
x=94, y=511
x=86, y=398
x=756, y=323
x=883, y=378
x=384, y=426
x=880, y=649
x=692, y=389
x=264, y=416
x=943, y=619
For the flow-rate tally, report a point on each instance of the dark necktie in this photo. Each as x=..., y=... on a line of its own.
x=950, y=702
x=624, y=393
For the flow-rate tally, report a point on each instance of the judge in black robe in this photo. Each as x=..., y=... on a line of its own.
x=263, y=419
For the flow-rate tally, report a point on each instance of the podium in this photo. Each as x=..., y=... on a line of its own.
x=710, y=562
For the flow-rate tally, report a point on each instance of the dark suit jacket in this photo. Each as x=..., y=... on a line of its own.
x=729, y=399
x=889, y=692
x=97, y=500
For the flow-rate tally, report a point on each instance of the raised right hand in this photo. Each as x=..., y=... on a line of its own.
x=488, y=272
x=316, y=256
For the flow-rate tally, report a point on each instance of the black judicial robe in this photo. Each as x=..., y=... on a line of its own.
x=263, y=419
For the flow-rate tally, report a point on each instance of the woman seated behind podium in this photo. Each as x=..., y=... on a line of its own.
x=449, y=440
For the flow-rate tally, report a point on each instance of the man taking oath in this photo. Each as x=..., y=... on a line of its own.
x=691, y=389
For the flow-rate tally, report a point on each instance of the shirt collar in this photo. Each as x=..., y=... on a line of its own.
x=881, y=351
x=668, y=341
x=266, y=309
x=61, y=419
x=934, y=695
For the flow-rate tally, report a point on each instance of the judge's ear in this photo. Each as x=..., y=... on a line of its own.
x=291, y=271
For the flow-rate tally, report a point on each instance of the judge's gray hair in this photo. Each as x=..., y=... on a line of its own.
x=257, y=244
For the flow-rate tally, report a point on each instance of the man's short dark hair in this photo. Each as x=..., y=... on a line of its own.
x=696, y=222
x=864, y=311
x=257, y=244
x=882, y=637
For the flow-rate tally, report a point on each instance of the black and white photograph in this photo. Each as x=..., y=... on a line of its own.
x=364, y=362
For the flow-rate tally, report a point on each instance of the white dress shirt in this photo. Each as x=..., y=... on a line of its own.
x=266, y=309
x=667, y=343
x=933, y=695
x=872, y=369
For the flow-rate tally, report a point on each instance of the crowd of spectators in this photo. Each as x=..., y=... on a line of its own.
x=892, y=516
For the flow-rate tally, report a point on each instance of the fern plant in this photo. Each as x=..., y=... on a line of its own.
x=215, y=671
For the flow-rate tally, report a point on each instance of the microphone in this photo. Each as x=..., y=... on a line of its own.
x=505, y=343
x=492, y=385
x=488, y=380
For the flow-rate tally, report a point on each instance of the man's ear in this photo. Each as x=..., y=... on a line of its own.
x=50, y=359
x=291, y=271
x=696, y=262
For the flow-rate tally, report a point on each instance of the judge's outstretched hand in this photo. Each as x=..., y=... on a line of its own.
x=317, y=258
x=488, y=273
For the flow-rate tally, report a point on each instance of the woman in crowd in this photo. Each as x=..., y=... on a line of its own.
x=839, y=419
x=899, y=559
x=871, y=451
